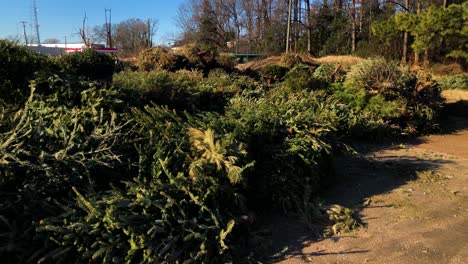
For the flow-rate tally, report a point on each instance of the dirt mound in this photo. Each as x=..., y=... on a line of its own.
x=289, y=60
x=284, y=60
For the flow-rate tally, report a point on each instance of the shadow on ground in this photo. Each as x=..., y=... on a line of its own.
x=357, y=178
x=454, y=117
x=361, y=177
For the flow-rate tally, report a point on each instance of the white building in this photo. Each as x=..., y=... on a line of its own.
x=61, y=48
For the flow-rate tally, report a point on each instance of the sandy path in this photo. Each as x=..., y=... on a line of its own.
x=419, y=205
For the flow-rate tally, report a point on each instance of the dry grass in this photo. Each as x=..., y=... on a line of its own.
x=292, y=59
x=345, y=61
x=259, y=63
x=455, y=95
x=440, y=70
x=284, y=60
x=130, y=59
x=429, y=176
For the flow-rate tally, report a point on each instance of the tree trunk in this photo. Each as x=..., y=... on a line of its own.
x=338, y=4
x=416, y=58
x=361, y=15
x=83, y=33
x=353, y=27
x=426, y=58
x=416, y=52
x=249, y=21
x=265, y=17
x=296, y=24
x=370, y=24
x=404, y=57
x=309, y=28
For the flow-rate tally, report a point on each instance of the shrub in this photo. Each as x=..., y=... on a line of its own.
x=142, y=224
x=381, y=108
x=184, y=205
x=192, y=52
x=300, y=78
x=218, y=77
x=190, y=57
x=176, y=90
x=154, y=58
x=374, y=107
x=198, y=58
x=160, y=58
x=182, y=181
x=222, y=80
x=245, y=83
x=227, y=60
x=155, y=86
x=286, y=134
x=228, y=83
x=125, y=66
x=273, y=73
x=47, y=147
x=18, y=66
x=383, y=96
x=454, y=82
x=376, y=76
x=193, y=75
x=58, y=146
x=326, y=74
x=89, y=64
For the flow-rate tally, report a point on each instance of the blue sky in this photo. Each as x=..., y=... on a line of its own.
x=60, y=18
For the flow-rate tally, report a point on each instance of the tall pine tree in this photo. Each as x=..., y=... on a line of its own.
x=208, y=32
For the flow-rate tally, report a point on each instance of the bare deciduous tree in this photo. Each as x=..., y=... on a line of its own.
x=129, y=36
x=84, y=34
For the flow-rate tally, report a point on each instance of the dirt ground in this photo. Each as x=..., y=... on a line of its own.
x=418, y=211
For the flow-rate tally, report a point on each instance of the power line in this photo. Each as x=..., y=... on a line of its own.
x=36, y=22
x=24, y=32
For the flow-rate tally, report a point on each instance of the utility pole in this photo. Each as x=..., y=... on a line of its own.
x=288, y=33
x=24, y=32
x=36, y=22
x=108, y=27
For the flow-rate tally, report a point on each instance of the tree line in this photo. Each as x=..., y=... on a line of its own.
x=130, y=36
x=399, y=29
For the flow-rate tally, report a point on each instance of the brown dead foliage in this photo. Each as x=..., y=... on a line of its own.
x=345, y=60
x=284, y=60
x=447, y=69
x=289, y=60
